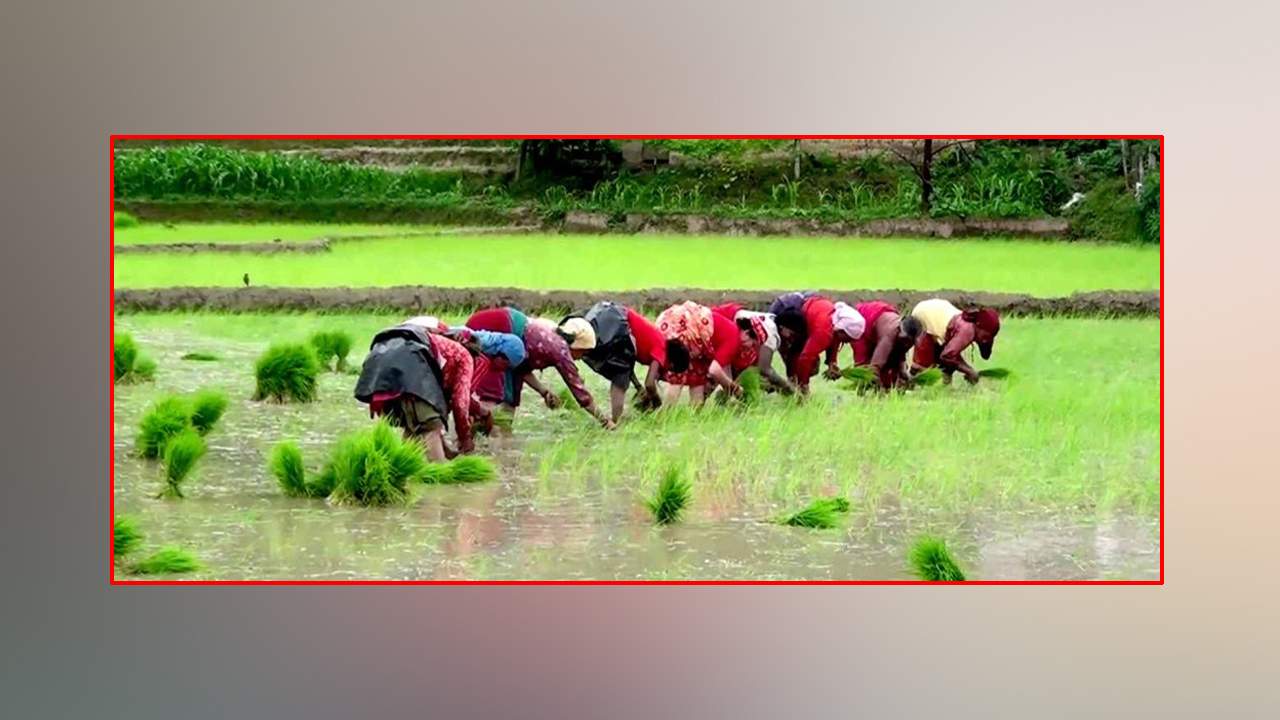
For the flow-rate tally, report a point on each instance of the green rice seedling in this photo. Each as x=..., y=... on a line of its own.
x=930, y=560
x=332, y=345
x=472, y=469
x=127, y=364
x=752, y=386
x=995, y=373
x=181, y=453
x=166, y=419
x=374, y=467
x=925, y=378
x=820, y=514
x=858, y=374
x=128, y=537
x=288, y=470
x=124, y=220
x=437, y=473
x=837, y=504
x=566, y=399
x=287, y=372
x=503, y=419
x=201, y=357
x=207, y=407
x=672, y=496
x=167, y=561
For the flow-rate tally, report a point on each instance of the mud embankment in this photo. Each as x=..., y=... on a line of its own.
x=588, y=222
x=318, y=245
x=440, y=300
x=584, y=222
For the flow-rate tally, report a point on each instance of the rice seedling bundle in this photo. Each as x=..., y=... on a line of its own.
x=167, y=561
x=207, y=407
x=127, y=535
x=752, y=386
x=288, y=470
x=128, y=365
x=820, y=514
x=925, y=378
x=201, y=357
x=332, y=345
x=471, y=469
x=672, y=497
x=165, y=420
x=181, y=453
x=995, y=373
x=372, y=468
x=124, y=220
x=930, y=560
x=287, y=372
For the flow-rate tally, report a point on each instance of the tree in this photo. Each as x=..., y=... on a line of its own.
x=585, y=161
x=924, y=168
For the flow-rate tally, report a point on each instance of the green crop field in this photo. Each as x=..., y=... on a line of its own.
x=637, y=262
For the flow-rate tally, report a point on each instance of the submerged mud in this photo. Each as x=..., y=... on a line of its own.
x=437, y=299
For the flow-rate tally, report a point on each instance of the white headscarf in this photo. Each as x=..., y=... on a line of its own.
x=849, y=320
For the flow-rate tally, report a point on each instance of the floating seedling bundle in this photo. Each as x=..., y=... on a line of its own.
x=174, y=414
x=166, y=561
x=822, y=514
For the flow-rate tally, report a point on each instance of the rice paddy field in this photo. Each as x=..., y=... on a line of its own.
x=1052, y=474
x=1042, y=268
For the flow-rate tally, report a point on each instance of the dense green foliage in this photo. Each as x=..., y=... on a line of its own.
x=738, y=178
x=287, y=372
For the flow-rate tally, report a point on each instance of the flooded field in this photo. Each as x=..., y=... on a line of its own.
x=1015, y=476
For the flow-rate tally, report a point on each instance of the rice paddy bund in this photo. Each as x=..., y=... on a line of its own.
x=1051, y=474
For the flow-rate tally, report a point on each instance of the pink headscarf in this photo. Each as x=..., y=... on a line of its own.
x=848, y=320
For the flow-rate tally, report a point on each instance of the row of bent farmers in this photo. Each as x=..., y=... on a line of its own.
x=420, y=372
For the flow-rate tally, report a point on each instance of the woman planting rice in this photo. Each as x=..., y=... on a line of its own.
x=416, y=379
x=490, y=352
x=499, y=386
x=810, y=325
x=707, y=341
x=555, y=346
x=885, y=343
x=759, y=343
x=624, y=338
x=947, y=332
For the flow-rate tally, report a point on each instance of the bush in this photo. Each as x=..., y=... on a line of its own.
x=331, y=344
x=166, y=419
x=125, y=220
x=287, y=372
x=1109, y=213
x=1149, y=209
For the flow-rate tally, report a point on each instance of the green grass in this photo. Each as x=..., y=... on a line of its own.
x=123, y=220
x=161, y=233
x=627, y=262
x=931, y=560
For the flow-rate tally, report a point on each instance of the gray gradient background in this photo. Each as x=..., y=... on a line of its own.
x=1202, y=645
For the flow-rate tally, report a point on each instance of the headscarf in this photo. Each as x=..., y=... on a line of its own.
x=988, y=320
x=691, y=324
x=848, y=320
x=432, y=324
x=504, y=344
x=584, y=336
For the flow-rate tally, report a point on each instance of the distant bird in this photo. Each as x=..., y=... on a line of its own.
x=246, y=279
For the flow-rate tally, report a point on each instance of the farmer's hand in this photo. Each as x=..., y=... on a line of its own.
x=551, y=400
x=465, y=447
x=735, y=390
x=971, y=378
x=833, y=372
x=607, y=422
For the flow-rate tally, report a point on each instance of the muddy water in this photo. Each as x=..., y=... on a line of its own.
x=524, y=527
